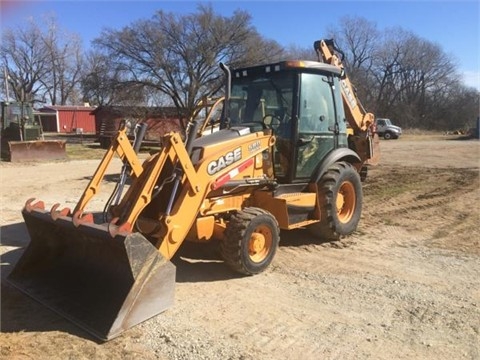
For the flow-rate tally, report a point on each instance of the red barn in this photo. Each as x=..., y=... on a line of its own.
x=67, y=119
x=160, y=120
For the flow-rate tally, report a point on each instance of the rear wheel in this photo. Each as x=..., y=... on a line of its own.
x=387, y=136
x=340, y=197
x=250, y=241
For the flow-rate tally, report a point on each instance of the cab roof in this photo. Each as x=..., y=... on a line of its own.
x=300, y=65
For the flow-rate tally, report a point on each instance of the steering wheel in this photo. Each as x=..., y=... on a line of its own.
x=271, y=121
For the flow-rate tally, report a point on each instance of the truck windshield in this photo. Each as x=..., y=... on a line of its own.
x=263, y=99
x=384, y=122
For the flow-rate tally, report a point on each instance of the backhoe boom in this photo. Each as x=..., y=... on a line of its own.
x=358, y=118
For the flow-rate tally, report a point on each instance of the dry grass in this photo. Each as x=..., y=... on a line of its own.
x=421, y=135
x=84, y=151
x=92, y=151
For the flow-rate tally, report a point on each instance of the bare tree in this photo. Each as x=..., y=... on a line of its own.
x=400, y=75
x=103, y=83
x=358, y=38
x=410, y=71
x=42, y=64
x=301, y=53
x=24, y=56
x=178, y=55
x=66, y=61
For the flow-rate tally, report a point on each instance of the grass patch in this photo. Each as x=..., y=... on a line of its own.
x=428, y=135
x=393, y=190
x=381, y=189
x=92, y=151
x=390, y=222
x=440, y=233
x=84, y=151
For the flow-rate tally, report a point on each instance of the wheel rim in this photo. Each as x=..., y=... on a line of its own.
x=346, y=202
x=260, y=243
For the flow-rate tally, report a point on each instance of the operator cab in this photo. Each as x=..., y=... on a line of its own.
x=300, y=101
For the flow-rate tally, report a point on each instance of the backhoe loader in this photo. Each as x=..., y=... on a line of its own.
x=291, y=151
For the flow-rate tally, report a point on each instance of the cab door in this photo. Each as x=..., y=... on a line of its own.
x=317, y=127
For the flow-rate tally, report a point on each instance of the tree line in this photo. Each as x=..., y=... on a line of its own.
x=404, y=77
x=172, y=59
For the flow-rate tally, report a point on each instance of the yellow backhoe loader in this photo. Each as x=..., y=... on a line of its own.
x=291, y=151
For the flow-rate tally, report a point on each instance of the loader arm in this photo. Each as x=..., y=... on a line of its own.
x=170, y=226
x=140, y=193
x=121, y=146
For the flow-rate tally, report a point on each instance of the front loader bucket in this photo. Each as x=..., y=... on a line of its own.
x=103, y=284
x=36, y=150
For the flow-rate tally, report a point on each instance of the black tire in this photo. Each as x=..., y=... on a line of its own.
x=387, y=136
x=250, y=241
x=340, y=197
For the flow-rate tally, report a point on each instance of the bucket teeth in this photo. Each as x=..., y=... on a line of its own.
x=121, y=229
x=30, y=205
x=79, y=218
x=55, y=214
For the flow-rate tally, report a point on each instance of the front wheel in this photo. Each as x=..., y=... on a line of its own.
x=340, y=199
x=387, y=136
x=250, y=241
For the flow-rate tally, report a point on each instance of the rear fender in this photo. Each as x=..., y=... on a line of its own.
x=341, y=154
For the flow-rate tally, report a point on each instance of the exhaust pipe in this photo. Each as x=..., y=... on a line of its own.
x=225, y=121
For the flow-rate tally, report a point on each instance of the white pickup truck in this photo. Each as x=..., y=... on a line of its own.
x=386, y=129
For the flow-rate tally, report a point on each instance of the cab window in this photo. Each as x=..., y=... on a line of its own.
x=316, y=112
x=316, y=122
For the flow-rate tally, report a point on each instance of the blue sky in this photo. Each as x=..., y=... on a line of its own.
x=454, y=25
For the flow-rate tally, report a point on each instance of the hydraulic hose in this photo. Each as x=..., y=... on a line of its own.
x=140, y=131
x=192, y=135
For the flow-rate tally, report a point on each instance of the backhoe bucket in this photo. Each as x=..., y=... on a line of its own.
x=103, y=283
x=36, y=150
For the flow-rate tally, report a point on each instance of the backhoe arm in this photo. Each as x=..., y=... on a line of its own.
x=357, y=117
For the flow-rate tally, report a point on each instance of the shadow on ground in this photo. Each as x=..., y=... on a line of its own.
x=195, y=262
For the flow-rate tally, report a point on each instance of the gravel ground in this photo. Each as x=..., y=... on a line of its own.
x=406, y=285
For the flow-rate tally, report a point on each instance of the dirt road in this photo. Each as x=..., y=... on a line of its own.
x=406, y=285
